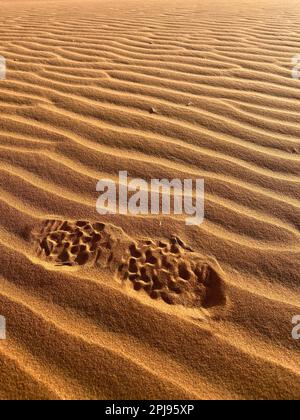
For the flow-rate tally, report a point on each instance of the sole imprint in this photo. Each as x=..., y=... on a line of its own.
x=167, y=270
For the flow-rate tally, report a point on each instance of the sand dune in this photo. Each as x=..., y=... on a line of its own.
x=162, y=89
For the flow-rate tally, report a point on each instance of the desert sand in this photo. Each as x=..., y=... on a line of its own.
x=162, y=89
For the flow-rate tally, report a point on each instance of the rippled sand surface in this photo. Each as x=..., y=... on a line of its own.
x=138, y=307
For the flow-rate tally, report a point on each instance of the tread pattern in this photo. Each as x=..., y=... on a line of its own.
x=167, y=270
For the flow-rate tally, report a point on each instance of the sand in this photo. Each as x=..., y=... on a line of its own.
x=162, y=89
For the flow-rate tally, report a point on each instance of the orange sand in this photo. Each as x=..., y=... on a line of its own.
x=82, y=79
